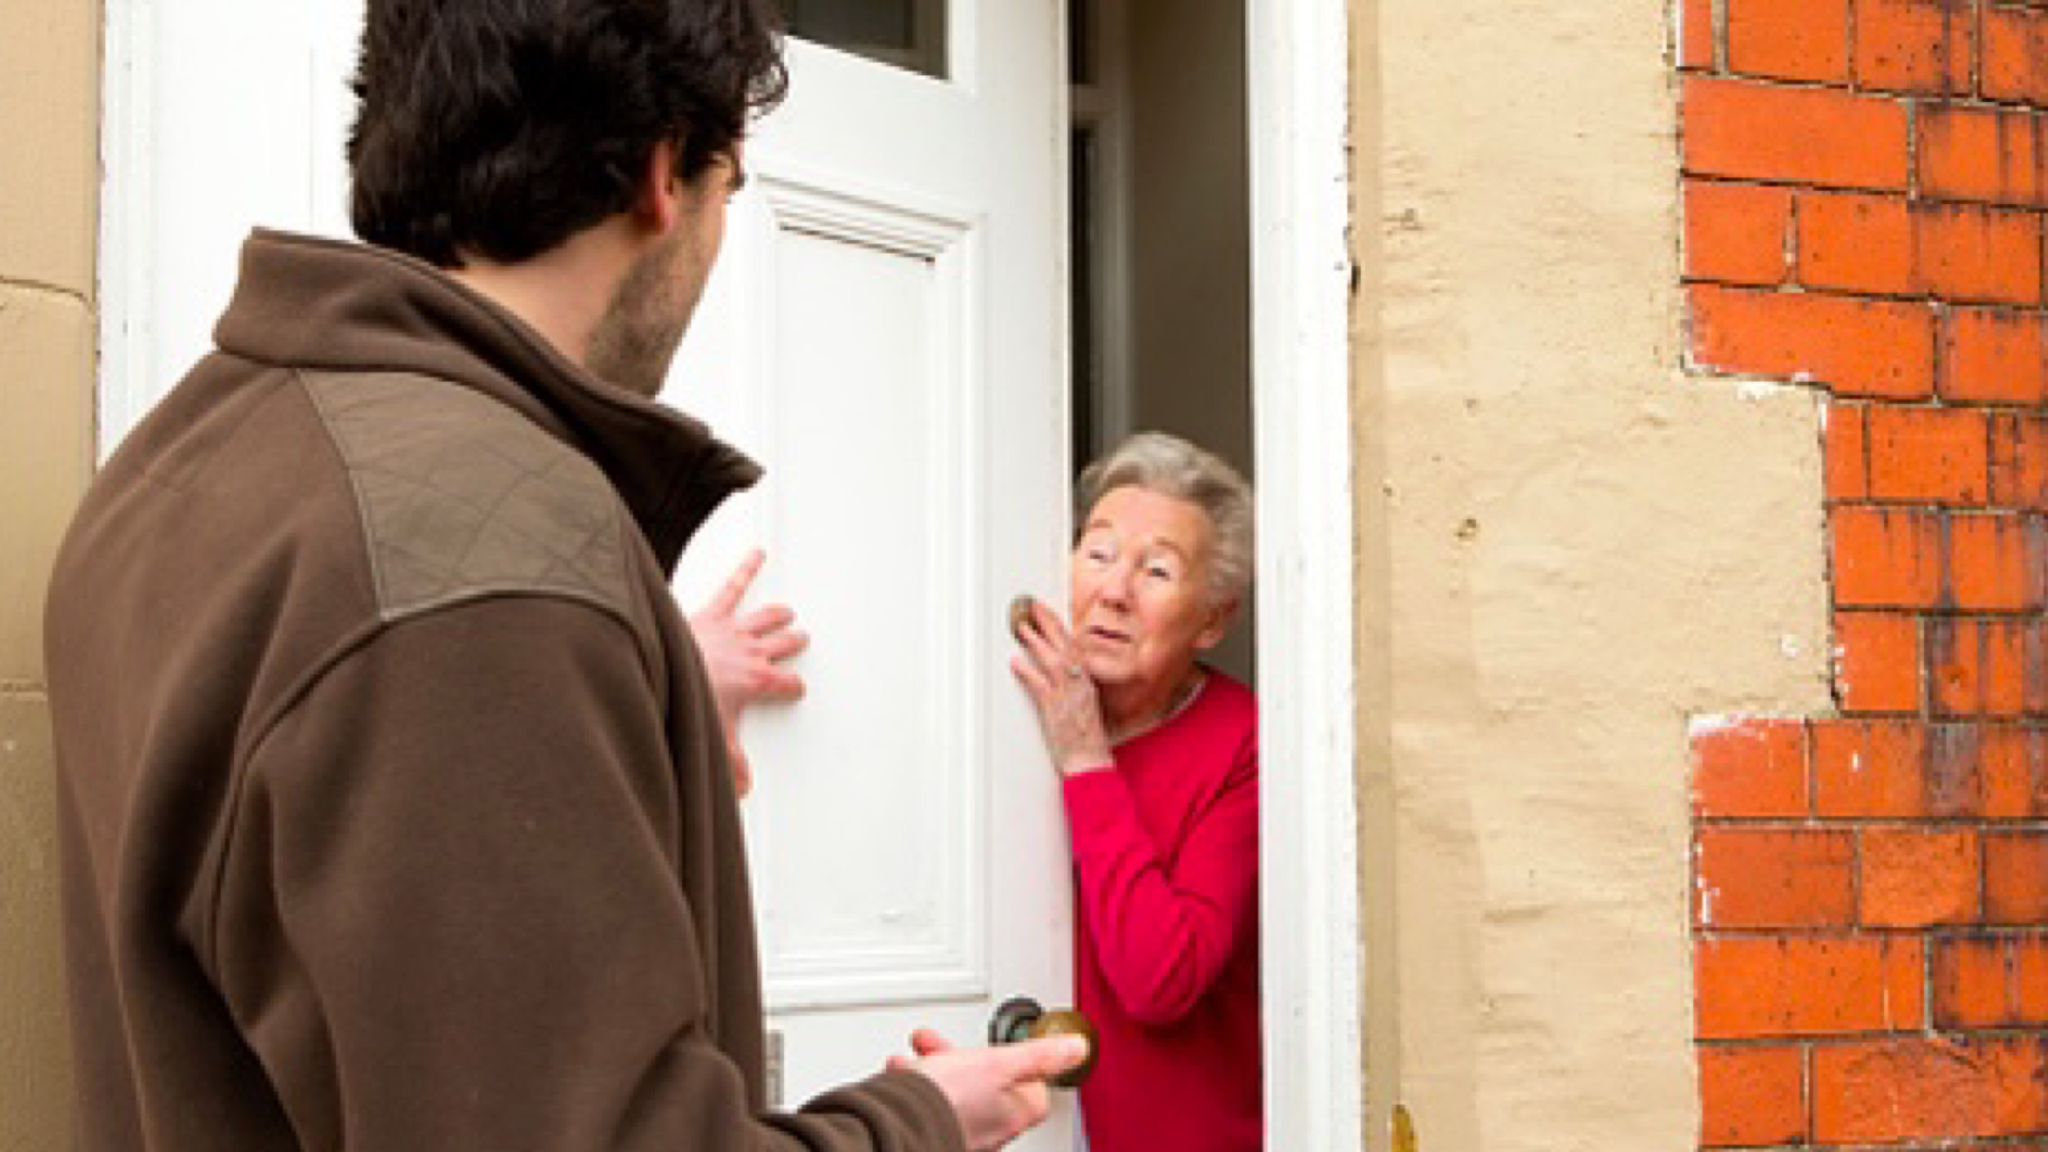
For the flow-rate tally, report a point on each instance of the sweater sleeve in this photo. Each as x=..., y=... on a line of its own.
x=450, y=913
x=1162, y=935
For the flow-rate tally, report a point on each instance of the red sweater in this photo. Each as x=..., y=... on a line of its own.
x=1166, y=861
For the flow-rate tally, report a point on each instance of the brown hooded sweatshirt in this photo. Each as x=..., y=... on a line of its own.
x=394, y=806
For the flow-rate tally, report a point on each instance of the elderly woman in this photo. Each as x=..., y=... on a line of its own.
x=1159, y=760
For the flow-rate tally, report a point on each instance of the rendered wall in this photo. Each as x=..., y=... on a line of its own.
x=1570, y=548
x=1864, y=205
x=49, y=115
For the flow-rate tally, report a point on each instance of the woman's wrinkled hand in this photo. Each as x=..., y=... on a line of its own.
x=745, y=656
x=1049, y=666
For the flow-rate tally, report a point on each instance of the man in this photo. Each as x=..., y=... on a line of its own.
x=395, y=801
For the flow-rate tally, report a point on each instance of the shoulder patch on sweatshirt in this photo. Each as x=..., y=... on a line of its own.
x=463, y=497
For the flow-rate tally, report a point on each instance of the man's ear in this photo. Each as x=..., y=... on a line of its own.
x=659, y=202
x=1217, y=626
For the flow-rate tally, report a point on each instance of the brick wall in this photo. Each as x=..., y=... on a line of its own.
x=1864, y=185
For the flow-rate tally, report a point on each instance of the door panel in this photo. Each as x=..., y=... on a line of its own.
x=884, y=333
x=869, y=360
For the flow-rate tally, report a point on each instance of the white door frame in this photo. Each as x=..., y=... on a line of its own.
x=1299, y=72
x=1300, y=213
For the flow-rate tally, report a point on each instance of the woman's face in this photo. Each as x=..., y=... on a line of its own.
x=1140, y=580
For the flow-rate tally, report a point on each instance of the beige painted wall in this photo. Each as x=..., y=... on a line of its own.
x=1568, y=548
x=49, y=115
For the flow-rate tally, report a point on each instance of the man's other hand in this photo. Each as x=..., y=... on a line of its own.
x=745, y=655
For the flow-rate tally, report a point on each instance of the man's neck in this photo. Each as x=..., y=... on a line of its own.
x=560, y=293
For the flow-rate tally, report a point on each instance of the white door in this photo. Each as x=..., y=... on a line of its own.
x=885, y=333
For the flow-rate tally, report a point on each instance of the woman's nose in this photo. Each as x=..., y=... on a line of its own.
x=1116, y=583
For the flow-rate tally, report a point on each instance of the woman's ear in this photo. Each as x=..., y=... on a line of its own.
x=1217, y=626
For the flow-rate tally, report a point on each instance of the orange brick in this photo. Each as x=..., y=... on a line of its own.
x=1751, y=988
x=1972, y=983
x=1930, y=455
x=2016, y=878
x=1859, y=347
x=1925, y=1089
x=1994, y=357
x=1980, y=154
x=1984, y=771
x=1855, y=242
x=1986, y=667
x=1810, y=136
x=1914, y=878
x=1736, y=232
x=2013, y=764
x=1752, y=768
x=1696, y=34
x=1956, y=768
x=1885, y=557
x=1990, y=981
x=1996, y=562
x=1877, y=244
x=1789, y=39
x=1914, y=45
x=1774, y=878
x=2030, y=981
x=1975, y=252
x=1870, y=769
x=1847, y=452
x=2019, y=462
x=1877, y=662
x=1752, y=1095
x=2015, y=54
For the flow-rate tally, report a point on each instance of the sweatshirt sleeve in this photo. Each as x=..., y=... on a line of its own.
x=449, y=914
x=1162, y=935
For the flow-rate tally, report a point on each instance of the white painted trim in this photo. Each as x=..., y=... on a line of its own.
x=127, y=260
x=1301, y=371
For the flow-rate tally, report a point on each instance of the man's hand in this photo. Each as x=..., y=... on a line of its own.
x=745, y=654
x=997, y=1093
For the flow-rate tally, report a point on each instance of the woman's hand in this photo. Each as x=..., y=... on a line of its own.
x=1050, y=669
x=745, y=656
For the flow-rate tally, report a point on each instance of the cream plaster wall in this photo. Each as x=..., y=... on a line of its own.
x=49, y=114
x=1568, y=548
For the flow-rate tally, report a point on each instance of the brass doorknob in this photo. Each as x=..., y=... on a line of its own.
x=1022, y=1018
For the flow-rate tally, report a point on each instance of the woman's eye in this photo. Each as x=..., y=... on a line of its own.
x=1161, y=572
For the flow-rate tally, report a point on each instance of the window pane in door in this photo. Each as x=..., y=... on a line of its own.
x=905, y=33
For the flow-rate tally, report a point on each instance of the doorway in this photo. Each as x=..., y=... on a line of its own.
x=1211, y=203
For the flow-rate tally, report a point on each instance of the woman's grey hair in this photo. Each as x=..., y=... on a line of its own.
x=1170, y=466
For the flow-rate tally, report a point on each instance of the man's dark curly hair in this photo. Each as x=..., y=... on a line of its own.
x=503, y=127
